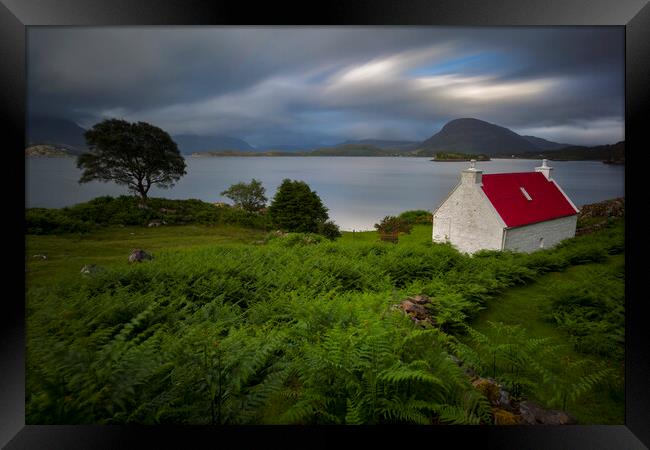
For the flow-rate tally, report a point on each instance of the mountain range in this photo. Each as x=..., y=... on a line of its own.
x=465, y=135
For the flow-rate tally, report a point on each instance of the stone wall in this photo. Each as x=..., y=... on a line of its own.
x=467, y=219
x=540, y=235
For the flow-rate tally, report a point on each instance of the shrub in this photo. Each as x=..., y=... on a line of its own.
x=393, y=225
x=51, y=221
x=329, y=229
x=295, y=207
x=416, y=217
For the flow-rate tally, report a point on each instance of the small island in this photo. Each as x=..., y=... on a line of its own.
x=47, y=151
x=456, y=156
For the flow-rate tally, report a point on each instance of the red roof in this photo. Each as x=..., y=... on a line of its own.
x=509, y=199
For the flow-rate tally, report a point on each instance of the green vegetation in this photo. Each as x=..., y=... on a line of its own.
x=249, y=196
x=127, y=210
x=231, y=325
x=614, y=153
x=390, y=227
x=416, y=217
x=570, y=369
x=138, y=155
x=457, y=156
x=295, y=207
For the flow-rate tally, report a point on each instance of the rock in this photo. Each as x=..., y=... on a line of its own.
x=417, y=313
x=139, y=255
x=488, y=387
x=533, y=414
x=420, y=299
x=90, y=269
x=40, y=256
x=156, y=223
x=493, y=391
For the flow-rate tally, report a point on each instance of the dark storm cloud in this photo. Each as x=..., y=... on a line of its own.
x=276, y=85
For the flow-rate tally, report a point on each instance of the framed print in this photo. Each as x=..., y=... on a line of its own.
x=265, y=223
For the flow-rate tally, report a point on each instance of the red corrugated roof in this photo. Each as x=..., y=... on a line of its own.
x=547, y=201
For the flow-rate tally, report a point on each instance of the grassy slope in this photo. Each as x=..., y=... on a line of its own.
x=524, y=306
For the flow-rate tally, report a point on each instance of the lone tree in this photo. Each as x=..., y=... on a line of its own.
x=138, y=155
x=248, y=196
x=295, y=207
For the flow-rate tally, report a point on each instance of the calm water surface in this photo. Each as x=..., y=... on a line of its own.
x=358, y=191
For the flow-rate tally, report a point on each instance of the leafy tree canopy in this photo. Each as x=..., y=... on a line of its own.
x=295, y=207
x=138, y=155
x=248, y=196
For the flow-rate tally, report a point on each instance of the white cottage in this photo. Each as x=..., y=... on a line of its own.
x=522, y=212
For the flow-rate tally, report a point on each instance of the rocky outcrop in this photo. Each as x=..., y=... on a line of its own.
x=595, y=216
x=139, y=255
x=415, y=307
x=533, y=414
x=507, y=411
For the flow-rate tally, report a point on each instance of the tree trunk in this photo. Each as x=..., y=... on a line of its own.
x=142, y=191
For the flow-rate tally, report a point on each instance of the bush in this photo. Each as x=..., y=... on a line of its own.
x=417, y=217
x=53, y=221
x=127, y=210
x=329, y=229
x=296, y=208
x=393, y=225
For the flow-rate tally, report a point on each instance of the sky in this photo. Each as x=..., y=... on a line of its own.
x=324, y=85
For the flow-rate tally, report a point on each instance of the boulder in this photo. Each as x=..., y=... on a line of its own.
x=533, y=414
x=417, y=313
x=488, y=387
x=90, y=269
x=494, y=392
x=156, y=223
x=40, y=256
x=139, y=255
x=420, y=299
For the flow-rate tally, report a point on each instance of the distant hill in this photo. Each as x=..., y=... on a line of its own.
x=475, y=136
x=188, y=144
x=290, y=148
x=383, y=144
x=343, y=150
x=614, y=154
x=543, y=144
x=245, y=153
x=57, y=132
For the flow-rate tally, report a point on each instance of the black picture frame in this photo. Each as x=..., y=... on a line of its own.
x=634, y=15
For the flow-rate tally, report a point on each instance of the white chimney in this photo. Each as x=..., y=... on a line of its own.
x=546, y=170
x=471, y=174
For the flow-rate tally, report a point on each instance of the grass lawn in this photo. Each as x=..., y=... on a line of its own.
x=111, y=247
x=524, y=306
